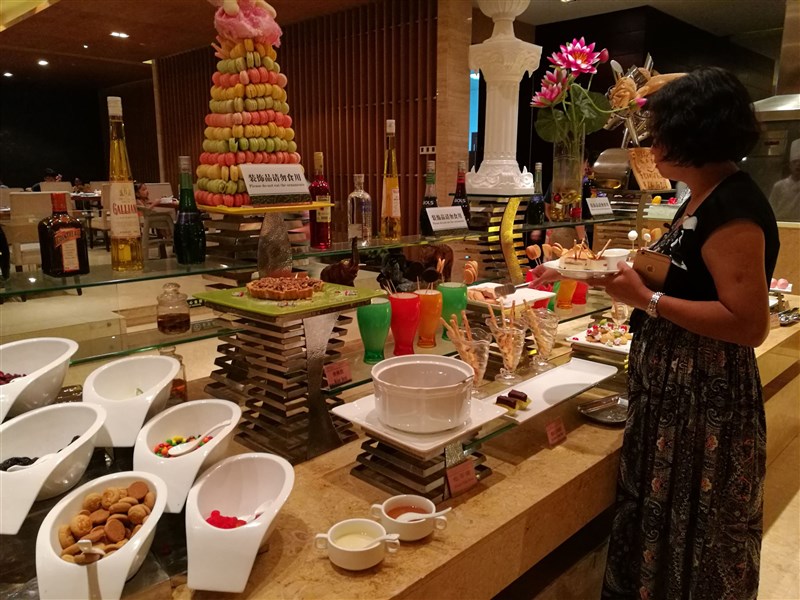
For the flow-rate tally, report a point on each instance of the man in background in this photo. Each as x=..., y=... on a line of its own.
x=49, y=175
x=785, y=196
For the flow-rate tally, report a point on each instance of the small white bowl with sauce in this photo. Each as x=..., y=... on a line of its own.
x=391, y=509
x=350, y=544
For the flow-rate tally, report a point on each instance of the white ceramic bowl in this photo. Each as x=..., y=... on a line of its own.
x=220, y=560
x=34, y=434
x=132, y=390
x=422, y=393
x=355, y=559
x=609, y=260
x=190, y=418
x=409, y=532
x=60, y=580
x=44, y=362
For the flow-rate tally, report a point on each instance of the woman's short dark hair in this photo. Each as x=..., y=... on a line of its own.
x=703, y=117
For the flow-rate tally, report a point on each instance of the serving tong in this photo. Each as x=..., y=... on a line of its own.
x=789, y=317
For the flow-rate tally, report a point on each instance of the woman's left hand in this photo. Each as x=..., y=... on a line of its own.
x=625, y=286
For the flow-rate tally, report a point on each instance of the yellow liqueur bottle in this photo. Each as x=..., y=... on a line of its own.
x=126, y=234
x=391, y=213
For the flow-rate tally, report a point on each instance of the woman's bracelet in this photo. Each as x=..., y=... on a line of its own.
x=652, y=306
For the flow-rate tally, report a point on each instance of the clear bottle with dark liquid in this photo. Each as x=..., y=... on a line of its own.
x=173, y=310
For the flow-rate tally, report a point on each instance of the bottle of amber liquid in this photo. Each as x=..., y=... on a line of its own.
x=178, y=392
x=460, y=198
x=62, y=241
x=320, y=218
x=391, y=210
x=126, y=235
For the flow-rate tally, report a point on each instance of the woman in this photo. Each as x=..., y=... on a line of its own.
x=142, y=195
x=689, y=509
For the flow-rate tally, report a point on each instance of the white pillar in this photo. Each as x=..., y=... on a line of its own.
x=503, y=60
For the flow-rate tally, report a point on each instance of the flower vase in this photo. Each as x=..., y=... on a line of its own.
x=567, y=177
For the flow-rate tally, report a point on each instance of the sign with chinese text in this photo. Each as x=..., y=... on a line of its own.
x=447, y=218
x=461, y=477
x=281, y=183
x=599, y=206
x=337, y=373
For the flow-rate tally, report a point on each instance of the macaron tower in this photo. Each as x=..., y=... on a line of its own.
x=249, y=122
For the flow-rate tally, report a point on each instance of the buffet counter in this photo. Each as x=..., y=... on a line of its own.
x=536, y=499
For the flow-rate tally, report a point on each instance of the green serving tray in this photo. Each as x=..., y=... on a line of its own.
x=331, y=297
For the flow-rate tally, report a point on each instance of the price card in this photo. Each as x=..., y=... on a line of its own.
x=461, y=477
x=556, y=432
x=446, y=218
x=337, y=373
x=599, y=206
x=278, y=183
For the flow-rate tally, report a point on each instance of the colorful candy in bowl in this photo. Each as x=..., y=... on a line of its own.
x=192, y=419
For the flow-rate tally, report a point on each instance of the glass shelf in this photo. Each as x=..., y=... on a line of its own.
x=376, y=243
x=33, y=282
x=116, y=346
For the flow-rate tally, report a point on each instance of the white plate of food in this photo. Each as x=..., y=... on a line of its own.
x=425, y=445
x=487, y=297
x=554, y=386
x=580, y=273
x=586, y=340
x=780, y=286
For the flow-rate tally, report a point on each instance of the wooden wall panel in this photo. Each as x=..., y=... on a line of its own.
x=183, y=89
x=349, y=72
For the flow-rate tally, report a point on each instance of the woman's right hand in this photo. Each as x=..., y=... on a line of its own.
x=543, y=275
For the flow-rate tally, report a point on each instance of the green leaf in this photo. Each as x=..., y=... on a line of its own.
x=594, y=119
x=550, y=124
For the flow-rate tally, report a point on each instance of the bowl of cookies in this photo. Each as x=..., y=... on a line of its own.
x=37, y=467
x=97, y=537
x=132, y=390
x=32, y=372
x=211, y=423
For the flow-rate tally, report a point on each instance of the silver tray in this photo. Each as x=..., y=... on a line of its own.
x=612, y=410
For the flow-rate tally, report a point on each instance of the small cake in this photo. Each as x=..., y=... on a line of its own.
x=510, y=404
x=608, y=334
x=285, y=288
x=521, y=398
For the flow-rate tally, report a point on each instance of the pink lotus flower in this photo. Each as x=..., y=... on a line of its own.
x=577, y=57
x=554, y=84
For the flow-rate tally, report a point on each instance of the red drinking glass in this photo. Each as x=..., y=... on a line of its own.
x=405, y=319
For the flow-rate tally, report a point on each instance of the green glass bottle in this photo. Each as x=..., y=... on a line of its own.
x=190, y=235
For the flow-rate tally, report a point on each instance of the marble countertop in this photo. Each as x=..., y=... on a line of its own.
x=536, y=498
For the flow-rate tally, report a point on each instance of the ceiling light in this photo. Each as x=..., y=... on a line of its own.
x=119, y=34
x=7, y=74
x=43, y=63
x=148, y=61
x=86, y=45
x=566, y=1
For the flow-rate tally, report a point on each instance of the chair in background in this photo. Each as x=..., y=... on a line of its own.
x=55, y=186
x=27, y=209
x=157, y=230
x=159, y=190
x=102, y=223
x=32, y=205
x=5, y=196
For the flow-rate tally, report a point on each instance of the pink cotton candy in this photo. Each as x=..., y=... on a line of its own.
x=252, y=21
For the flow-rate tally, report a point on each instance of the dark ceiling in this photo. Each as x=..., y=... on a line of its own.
x=157, y=28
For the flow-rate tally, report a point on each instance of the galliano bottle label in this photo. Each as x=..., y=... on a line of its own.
x=124, y=216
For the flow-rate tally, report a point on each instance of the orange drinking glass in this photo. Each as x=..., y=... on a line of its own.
x=564, y=295
x=430, y=310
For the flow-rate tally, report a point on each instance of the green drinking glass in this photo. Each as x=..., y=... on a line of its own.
x=454, y=300
x=373, y=324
